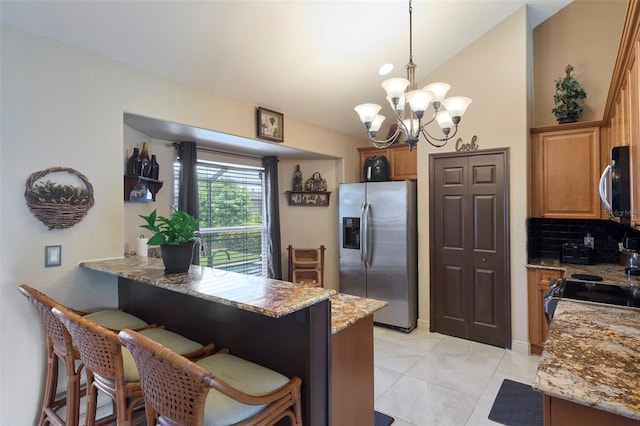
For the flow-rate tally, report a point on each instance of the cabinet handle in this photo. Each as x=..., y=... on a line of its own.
x=484, y=260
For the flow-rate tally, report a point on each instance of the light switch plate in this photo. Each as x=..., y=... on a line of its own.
x=52, y=256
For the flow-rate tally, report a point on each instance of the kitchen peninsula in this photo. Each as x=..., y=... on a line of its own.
x=589, y=372
x=297, y=330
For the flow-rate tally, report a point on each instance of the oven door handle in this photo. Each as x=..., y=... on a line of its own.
x=549, y=308
x=605, y=191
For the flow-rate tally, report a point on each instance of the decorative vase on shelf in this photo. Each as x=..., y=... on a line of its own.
x=134, y=165
x=297, y=179
x=154, y=168
x=144, y=157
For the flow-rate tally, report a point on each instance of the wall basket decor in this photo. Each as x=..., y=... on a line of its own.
x=58, y=206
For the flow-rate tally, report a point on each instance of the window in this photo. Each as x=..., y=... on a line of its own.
x=231, y=198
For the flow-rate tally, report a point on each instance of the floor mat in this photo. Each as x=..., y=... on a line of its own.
x=382, y=419
x=517, y=404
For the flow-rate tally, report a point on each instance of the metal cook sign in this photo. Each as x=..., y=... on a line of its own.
x=464, y=147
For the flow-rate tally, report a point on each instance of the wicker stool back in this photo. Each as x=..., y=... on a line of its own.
x=175, y=389
x=59, y=346
x=101, y=354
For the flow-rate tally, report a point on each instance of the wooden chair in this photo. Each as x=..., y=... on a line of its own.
x=220, y=389
x=59, y=346
x=112, y=370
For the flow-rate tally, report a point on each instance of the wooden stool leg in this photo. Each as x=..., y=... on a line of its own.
x=92, y=400
x=73, y=394
x=50, y=387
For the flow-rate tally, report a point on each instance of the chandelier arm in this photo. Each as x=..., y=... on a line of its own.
x=433, y=140
x=381, y=144
x=411, y=133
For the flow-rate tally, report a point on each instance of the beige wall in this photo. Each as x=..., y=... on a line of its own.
x=304, y=226
x=62, y=106
x=585, y=34
x=498, y=85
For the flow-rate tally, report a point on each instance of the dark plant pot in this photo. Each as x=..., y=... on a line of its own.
x=177, y=258
x=569, y=119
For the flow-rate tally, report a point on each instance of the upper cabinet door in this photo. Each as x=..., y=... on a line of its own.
x=565, y=172
x=634, y=135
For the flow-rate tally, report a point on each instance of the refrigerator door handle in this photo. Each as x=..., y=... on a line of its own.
x=363, y=235
x=367, y=251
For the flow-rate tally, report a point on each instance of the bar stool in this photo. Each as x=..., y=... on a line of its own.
x=59, y=346
x=220, y=389
x=112, y=370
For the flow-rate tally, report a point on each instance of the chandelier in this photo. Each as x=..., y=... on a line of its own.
x=446, y=112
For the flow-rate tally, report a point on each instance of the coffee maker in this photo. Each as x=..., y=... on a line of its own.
x=631, y=248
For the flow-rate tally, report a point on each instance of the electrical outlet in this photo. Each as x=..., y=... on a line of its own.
x=588, y=241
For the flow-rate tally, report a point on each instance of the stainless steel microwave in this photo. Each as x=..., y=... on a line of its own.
x=615, y=190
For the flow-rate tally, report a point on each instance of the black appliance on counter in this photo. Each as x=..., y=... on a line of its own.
x=579, y=254
x=376, y=169
x=615, y=183
x=590, y=291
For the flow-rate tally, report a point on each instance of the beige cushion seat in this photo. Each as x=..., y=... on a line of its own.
x=246, y=376
x=177, y=343
x=114, y=319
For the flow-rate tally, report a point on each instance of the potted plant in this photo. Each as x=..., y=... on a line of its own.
x=568, y=98
x=176, y=237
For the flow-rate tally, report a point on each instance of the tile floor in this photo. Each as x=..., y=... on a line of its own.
x=424, y=379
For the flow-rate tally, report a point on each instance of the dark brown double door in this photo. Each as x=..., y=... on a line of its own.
x=469, y=246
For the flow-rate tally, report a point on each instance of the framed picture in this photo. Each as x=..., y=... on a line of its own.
x=52, y=256
x=270, y=125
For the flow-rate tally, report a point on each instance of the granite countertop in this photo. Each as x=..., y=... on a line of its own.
x=346, y=310
x=592, y=357
x=265, y=296
x=611, y=273
x=270, y=297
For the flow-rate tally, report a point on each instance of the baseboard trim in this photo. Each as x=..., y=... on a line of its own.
x=521, y=347
x=424, y=324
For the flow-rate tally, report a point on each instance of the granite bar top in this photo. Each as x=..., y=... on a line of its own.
x=592, y=357
x=269, y=297
x=346, y=310
x=611, y=273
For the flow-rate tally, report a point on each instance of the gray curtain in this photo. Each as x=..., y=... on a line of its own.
x=188, y=192
x=272, y=221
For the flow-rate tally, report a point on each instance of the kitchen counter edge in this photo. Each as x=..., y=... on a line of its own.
x=592, y=357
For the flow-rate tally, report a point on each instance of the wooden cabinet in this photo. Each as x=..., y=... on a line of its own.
x=634, y=135
x=622, y=111
x=538, y=280
x=565, y=172
x=561, y=412
x=403, y=164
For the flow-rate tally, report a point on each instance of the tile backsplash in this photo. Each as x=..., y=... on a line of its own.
x=546, y=236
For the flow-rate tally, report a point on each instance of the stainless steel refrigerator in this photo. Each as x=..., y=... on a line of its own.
x=378, y=248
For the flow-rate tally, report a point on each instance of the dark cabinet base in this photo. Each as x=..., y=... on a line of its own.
x=294, y=345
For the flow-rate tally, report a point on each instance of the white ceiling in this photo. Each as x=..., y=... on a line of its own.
x=314, y=60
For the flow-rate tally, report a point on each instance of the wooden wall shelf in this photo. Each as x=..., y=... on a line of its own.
x=146, y=188
x=309, y=198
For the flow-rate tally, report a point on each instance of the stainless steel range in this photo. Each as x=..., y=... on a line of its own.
x=590, y=291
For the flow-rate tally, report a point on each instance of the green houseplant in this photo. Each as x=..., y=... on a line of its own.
x=568, y=98
x=176, y=236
